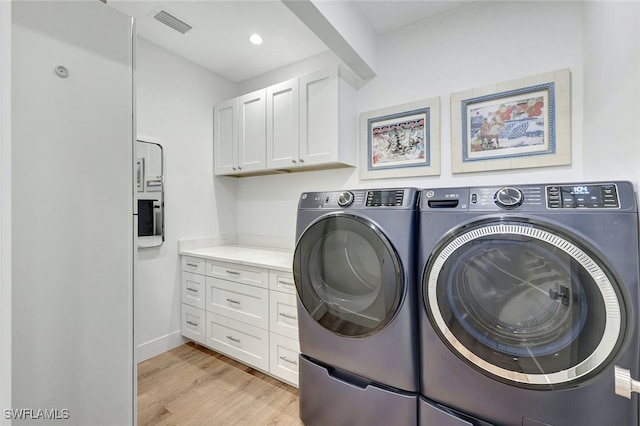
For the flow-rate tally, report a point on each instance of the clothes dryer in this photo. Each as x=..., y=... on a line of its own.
x=355, y=275
x=529, y=301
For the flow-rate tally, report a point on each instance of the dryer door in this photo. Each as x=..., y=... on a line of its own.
x=348, y=276
x=525, y=304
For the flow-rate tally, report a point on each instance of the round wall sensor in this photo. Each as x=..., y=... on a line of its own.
x=62, y=71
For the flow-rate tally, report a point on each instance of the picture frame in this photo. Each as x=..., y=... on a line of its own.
x=140, y=174
x=523, y=123
x=401, y=140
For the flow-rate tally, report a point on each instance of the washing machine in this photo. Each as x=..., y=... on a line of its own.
x=355, y=275
x=529, y=305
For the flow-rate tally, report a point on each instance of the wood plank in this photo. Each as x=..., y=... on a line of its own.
x=193, y=385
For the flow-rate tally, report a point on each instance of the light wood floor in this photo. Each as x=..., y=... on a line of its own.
x=192, y=385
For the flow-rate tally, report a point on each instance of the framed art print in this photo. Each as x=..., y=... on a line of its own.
x=517, y=124
x=401, y=141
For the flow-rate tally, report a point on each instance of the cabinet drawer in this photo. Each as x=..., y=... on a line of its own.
x=238, y=273
x=282, y=281
x=193, y=286
x=193, y=323
x=193, y=264
x=241, y=341
x=283, y=314
x=283, y=355
x=238, y=301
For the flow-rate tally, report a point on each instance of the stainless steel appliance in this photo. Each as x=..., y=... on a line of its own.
x=529, y=304
x=356, y=284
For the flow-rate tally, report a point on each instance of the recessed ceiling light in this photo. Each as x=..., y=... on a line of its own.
x=255, y=39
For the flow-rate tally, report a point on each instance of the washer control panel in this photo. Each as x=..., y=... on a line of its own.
x=604, y=196
x=581, y=196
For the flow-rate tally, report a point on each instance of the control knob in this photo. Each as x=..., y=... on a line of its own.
x=508, y=197
x=345, y=199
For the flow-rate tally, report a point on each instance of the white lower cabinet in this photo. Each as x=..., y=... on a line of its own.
x=241, y=341
x=283, y=355
x=283, y=314
x=193, y=289
x=238, y=301
x=283, y=326
x=244, y=312
x=193, y=323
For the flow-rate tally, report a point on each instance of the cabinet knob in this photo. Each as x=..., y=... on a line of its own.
x=233, y=168
x=239, y=168
x=301, y=160
x=294, y=161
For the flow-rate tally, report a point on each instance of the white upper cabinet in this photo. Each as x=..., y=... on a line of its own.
x=328, y=120
x=283, y=125
x=319, y=117
x=303, y=122
x=252, y=137
x=225, y=128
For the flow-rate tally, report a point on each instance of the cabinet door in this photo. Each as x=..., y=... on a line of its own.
x=193, y=323
x=193, y=286
x=241, y=341
x=252, y=136
x=319, y=117
x=225, y=137
x=239, y=273
x=283, y=314
x=283, y=125
x=282, y=281
x=283, y=358
x=240, y=302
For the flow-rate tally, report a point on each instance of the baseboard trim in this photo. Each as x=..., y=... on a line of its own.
x=162, y=344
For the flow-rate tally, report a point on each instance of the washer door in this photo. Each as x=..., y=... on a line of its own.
x=524, y=304
x=347, y=274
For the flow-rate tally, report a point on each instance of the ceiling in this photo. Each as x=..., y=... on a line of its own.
x=219, y=40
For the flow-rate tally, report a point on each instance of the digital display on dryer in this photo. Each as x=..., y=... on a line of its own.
x=582, y=196
x=385, y=198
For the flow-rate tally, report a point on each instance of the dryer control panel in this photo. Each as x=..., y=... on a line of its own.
x=362, y=198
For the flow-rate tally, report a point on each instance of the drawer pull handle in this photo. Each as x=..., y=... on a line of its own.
x=232, y=272
x=233, y=339
x=195, y=290
x=293, y=317
x=284, y=358
x=235, y=302
x=286, y=282
x=195, y=324
x=193, y=265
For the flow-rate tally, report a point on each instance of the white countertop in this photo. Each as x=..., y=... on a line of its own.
x=261, y=257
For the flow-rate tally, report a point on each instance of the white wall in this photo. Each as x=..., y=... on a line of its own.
x=5, y=207
x=175, y=99
x=465, y=48
x=612, y=90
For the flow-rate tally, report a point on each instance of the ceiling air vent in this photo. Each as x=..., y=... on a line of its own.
x=171, y=21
